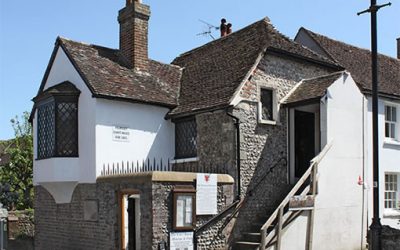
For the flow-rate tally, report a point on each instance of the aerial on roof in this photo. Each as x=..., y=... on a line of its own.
x=201, y=79
x=213, y=72
x=357, y=61
x=311, y=90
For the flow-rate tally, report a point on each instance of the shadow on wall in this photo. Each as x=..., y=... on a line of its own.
x=266, y=188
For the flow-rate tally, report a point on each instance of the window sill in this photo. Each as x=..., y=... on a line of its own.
x=389, y=141
x=391, y=213
x=183, y=160
x=268, y=122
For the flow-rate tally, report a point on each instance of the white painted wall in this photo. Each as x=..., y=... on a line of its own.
x=150, y=135
x=60, y=175
x=389, y=161
x=339, y=211
x=69, y=169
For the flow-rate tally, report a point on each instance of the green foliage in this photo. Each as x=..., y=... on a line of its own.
x=16, y=175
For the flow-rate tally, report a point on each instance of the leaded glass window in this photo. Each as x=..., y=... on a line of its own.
x=185, y=138
x=57, y=122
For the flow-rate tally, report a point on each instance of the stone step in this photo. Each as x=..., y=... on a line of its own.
x=246, y=245
x=252, y=237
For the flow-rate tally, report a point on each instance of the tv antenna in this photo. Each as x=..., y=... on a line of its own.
x=209, y=29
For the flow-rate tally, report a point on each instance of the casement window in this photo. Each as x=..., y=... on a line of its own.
x=267, y=108
x=185, y=138
x=391, y=199
x=57, y=121
x=391, y=122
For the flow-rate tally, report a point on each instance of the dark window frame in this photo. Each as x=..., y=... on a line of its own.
x=66, y=95
x=184, y=148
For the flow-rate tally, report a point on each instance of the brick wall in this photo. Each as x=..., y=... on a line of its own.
x=133, y=21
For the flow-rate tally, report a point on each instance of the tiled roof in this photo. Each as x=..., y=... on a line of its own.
x=107, y=76
x=358, y=62
x=311, y=89
x=213, y=72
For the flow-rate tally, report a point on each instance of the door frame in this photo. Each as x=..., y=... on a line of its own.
x=123, y=196
x=311, y=108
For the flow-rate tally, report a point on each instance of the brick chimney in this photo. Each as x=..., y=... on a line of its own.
x=398, y=48
x=133, y=33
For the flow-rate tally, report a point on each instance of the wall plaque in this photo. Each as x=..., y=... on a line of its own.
x=121, y=134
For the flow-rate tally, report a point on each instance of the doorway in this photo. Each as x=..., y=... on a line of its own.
x=304, y=138
x=130, y=221
x=304, y=141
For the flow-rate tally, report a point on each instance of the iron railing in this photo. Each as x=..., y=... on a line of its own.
x=151, y=165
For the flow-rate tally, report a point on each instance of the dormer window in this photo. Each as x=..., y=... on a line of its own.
x=57, y=121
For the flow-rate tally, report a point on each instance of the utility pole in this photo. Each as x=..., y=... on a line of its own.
x=376, y=226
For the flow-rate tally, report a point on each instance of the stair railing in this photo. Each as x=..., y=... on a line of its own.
x=277, y=215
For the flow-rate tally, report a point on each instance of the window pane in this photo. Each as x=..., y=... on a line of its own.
x=388, y=113
x=267, y=104
x=394, y=116
x=46, y=130
x=67, y=129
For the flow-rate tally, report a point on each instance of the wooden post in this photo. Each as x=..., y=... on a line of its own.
x=279, y=229
x=263, y=243
x=312, y=211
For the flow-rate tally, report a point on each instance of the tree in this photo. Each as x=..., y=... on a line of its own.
x=16, y=175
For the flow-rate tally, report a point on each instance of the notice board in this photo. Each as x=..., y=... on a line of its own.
x=206, y=194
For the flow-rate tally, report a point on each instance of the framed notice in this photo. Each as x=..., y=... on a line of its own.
x=184, y=206
x=206, y=194
x=181, y=241
x=121, y=134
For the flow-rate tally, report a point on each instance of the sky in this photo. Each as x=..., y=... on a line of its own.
x=28, y=30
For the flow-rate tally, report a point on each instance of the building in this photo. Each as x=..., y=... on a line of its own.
x=356, y=61
x=247, y=112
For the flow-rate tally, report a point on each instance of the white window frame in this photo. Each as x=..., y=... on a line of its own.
x=390, y=211
x=275, y=107
x=396, y=137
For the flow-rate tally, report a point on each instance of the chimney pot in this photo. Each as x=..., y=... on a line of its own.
x=133, y=35
x=398, y=48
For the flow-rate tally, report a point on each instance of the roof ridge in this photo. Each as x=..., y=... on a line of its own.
x=348, y=44
x=324, y=76
x=265, y=20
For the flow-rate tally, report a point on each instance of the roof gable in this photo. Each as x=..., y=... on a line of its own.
x=309, y=90
x=212, y=73
x=357, y=61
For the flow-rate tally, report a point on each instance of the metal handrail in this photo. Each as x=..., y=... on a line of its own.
x=314, y=163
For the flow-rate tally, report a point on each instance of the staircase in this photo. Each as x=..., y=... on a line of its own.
x=267, y=232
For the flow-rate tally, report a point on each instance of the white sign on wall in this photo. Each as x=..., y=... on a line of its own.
x=206, y=194
x=121, y=133
x=181, y=241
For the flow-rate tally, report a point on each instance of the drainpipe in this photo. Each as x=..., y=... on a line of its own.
x=237, y=125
